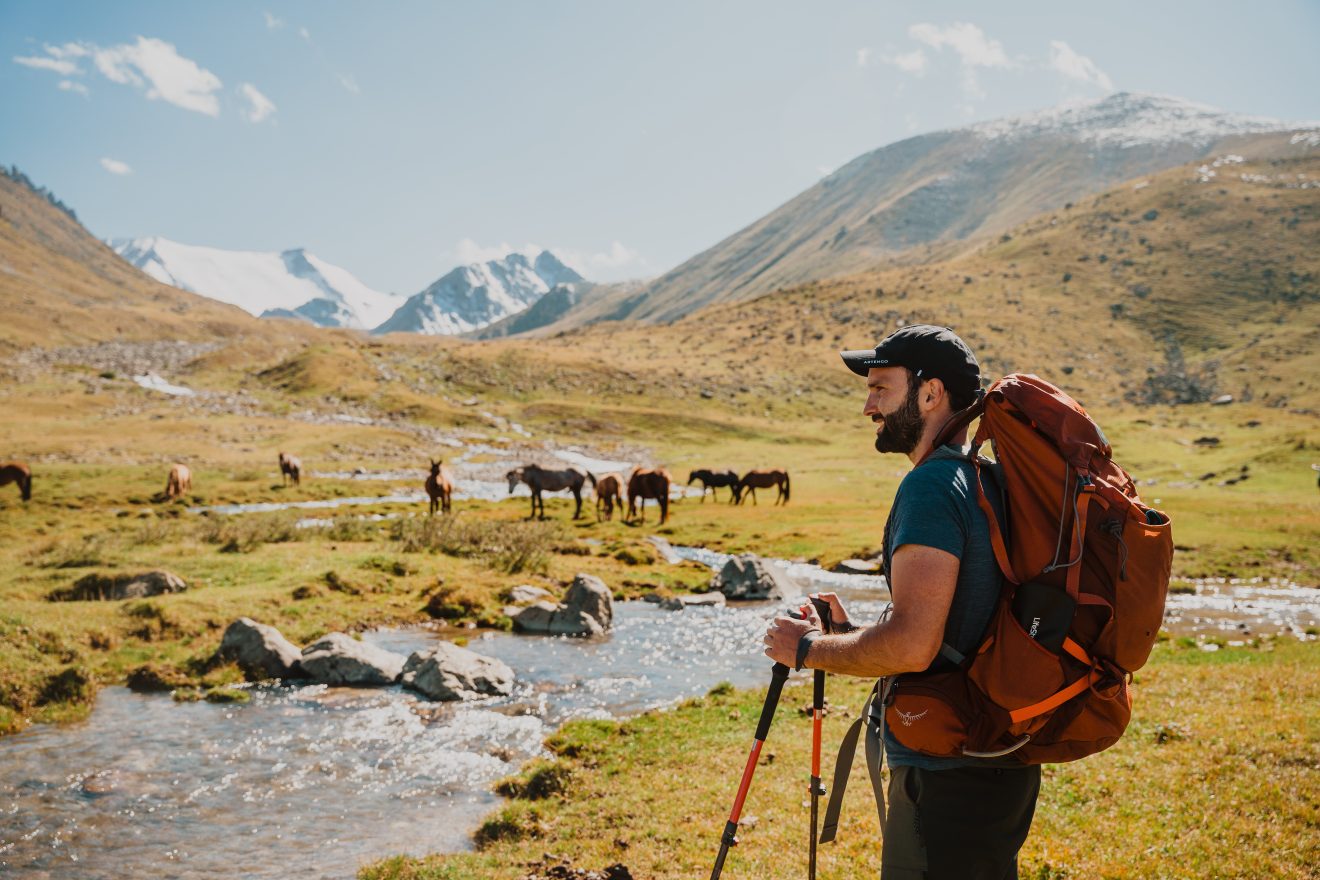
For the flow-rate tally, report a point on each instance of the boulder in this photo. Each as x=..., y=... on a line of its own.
x=587, y=610
x=448, y=672
x=857, y=566
x=340, y=659
x=112, y=587
x=525, y=593
x=748, y=577
x=261, y=651
x=699, y=600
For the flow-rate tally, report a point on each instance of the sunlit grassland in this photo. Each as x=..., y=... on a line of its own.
x=1214, y=778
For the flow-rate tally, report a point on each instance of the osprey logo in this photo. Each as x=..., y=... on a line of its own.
x=909, y=717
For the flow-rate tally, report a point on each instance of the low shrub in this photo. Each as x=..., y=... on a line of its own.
x=510, y=547
x=245, y=533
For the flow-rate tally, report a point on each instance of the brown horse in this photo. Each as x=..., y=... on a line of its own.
x=17, y=472
x=290, y=467
x=439, y=486
x=763, y=479
x=609, y=490
x=649, y=483
x=539, y=480
x=180, y=481
x=712, y=480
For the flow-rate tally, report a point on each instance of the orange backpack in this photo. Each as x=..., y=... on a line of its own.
x=1086, y=571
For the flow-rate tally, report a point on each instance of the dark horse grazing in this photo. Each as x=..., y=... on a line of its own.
x=290, y=467
x=539, y=480
x=439, y=486
x=763, y=479
x=714, y=479
x=649, y=483
x=609, y=489
x=17, y=472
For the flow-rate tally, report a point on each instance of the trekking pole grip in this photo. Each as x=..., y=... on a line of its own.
x=778, y=675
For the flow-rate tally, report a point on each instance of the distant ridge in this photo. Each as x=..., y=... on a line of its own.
x=474, y=296
x=925, y=197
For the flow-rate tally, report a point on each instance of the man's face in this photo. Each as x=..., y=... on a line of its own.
x=891, y=402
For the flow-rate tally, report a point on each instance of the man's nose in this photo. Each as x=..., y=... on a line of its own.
x=871, y=408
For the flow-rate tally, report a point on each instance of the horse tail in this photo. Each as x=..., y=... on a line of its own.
x=592, y=477
x=786, y=487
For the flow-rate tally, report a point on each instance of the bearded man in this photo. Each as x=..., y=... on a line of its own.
x=957, y=818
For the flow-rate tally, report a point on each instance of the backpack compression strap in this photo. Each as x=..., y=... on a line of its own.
x=875, y=756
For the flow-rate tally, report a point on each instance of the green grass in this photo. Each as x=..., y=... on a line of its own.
x=1214, y=778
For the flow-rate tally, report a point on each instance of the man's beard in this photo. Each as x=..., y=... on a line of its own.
x=903, y=428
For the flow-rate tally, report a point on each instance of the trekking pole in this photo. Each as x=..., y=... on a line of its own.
x=778, y=675
x=817, y=715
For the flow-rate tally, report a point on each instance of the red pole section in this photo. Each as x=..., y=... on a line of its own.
x=746, y=781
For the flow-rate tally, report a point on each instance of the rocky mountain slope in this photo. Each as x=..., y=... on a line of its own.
x=474, y=296
x=929, y=196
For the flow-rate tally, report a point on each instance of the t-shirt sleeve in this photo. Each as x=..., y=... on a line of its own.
x=929, y=510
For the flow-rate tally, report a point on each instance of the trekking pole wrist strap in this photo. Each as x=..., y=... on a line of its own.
x=804, y=645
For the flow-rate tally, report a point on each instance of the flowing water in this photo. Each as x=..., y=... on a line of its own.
x=313, y=781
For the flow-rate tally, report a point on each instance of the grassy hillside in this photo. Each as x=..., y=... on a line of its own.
x=59, y=285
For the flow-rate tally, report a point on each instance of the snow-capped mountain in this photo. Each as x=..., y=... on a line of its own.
x=927, y=196
x=470, y=297
x=291, y=284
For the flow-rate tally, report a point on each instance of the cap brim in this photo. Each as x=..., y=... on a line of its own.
x=859, y=360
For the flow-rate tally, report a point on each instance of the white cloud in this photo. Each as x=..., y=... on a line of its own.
x=167, y=75
x=468, y=251
x=913, y=62
x=863, y=57
x=71, y=86
x=260, y=107
x=1067, y=62
x=59, y=65
x=272, y=22
x=824, y=170
x=349, y=83
x=114, y=166
x=305, y=34
x=974, y=48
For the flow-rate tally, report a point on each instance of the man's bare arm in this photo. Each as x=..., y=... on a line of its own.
x=924, y=580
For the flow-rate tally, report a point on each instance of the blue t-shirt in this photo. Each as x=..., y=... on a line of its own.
x=936, y=506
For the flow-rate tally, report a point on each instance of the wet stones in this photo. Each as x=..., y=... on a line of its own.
x=587, y=610
x=110, y=588
x=749, y=577
x=698, y=600
x=449, y=672
x=338, y=659
x=525, y=593
x=261, y=651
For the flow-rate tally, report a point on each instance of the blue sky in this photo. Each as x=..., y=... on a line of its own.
x=397, y=139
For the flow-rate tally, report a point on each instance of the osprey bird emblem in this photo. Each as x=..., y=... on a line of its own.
x=909, y=717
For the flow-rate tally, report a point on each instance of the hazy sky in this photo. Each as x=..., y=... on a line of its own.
x=397, y=139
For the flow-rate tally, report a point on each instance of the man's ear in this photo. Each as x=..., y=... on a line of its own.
x=933, y=392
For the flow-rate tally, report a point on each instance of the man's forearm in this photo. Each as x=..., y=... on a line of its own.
x=869, y=652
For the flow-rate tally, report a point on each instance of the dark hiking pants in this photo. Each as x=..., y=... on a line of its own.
x=962, y=824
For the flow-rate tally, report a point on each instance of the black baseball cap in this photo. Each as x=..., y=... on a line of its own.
x=929, y=351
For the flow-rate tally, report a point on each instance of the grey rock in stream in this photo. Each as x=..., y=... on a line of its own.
x=748, y=577
x=112, y=587
x=449, y=672
x=699, y=600
x=261, y=651
x=525, y=593
x=340, y=659
x=587, y=610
